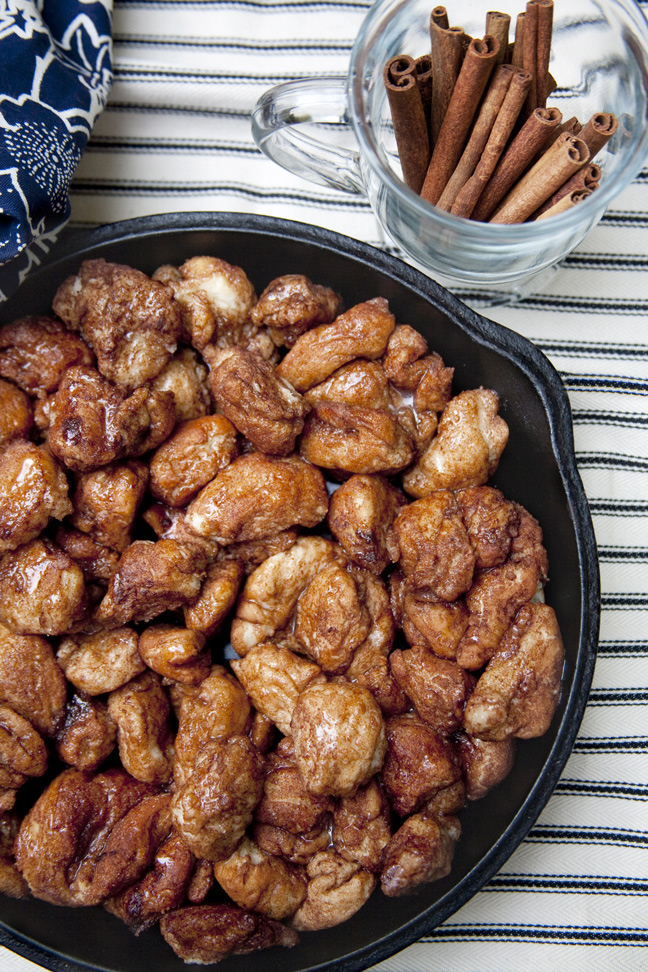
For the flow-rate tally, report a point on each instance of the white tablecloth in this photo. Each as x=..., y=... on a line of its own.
x=176, y=136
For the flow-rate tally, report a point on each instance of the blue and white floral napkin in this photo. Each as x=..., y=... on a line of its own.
x=55, y=75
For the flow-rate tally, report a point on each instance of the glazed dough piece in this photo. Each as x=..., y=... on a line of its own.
x=36, y=351
x=292, y=304
x=360, y=332
x=42, y=590
x=93, y=423
x=361, y=514
x=466, y=448
x=214, y=298
x=353, y=439
x=33, y=488
x=257, y=496
x=214, y=806
x=519, y=690
x=265, y=408
x=419, y=852
x=272, y=590
x=435, y=554
x=498, y=593
x=205, y=934
x=131, y=322
x=152, y=578
x=339, y=737
x=337, y=889
x=262, y=882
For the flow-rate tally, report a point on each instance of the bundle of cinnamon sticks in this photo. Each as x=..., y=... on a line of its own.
x=474, y=134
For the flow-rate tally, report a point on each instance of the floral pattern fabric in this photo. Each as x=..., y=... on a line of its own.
x=55, y=76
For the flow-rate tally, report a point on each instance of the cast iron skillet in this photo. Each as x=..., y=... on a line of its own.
x=538, y=469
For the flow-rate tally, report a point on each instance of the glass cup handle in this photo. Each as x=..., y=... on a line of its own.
x=277, y=116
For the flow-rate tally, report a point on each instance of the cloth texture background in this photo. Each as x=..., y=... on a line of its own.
x=55, y=72
x=175, y=136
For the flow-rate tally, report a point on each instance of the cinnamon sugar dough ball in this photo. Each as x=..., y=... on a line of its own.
x=257, y=496
x=185, y=376
x=214, y=298
x=336, y=890
x=36, y=351
x=466, y=448
x=42, y=590
x=214, y=806
x=205, y=934
x=273, y=677
x=27, y=663
x=130, y=321
x=339, y=737
x=353, y=439
x=88, y=735
x=190, y=458
x=33, y=489
x=435, y=552
x=273, y=589
x=16, y=413
x=360, y=332
x=292, y=304
x=518, y=691
x=361, y=514
x=106, y=502
x=140, y=710
x=360, y=382
x=265, y=408
x=152, y=577
x=420, y=851
x=266, y=884
x=93, y=423
x=100, y=661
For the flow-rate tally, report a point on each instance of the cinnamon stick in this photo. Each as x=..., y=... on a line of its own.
x=598, y=130
x=538, y=28
x=587, y=177
x=493, y=100
x=517, y=55
x=567, y=154
x=507, y=116
x=497, y=25
x=543, y=49
x=439, y=16
x=571, y=125
x=566, y=202
x=400, y=66
x=447, y=51
x=423, y=78
x=531, y=139
x=529, y=54
x=408, y=117
x=473, y=77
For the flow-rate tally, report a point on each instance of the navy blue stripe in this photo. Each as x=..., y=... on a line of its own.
x=631, y=386
x=623, y=649
x=588, y=788
x=540, y=934
x=93, y=187
x=615, y=555
x=612, y=744
x=247, y=47
x=602, y=460
x=567, y=884
x=606, y=836
x=262, y=6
